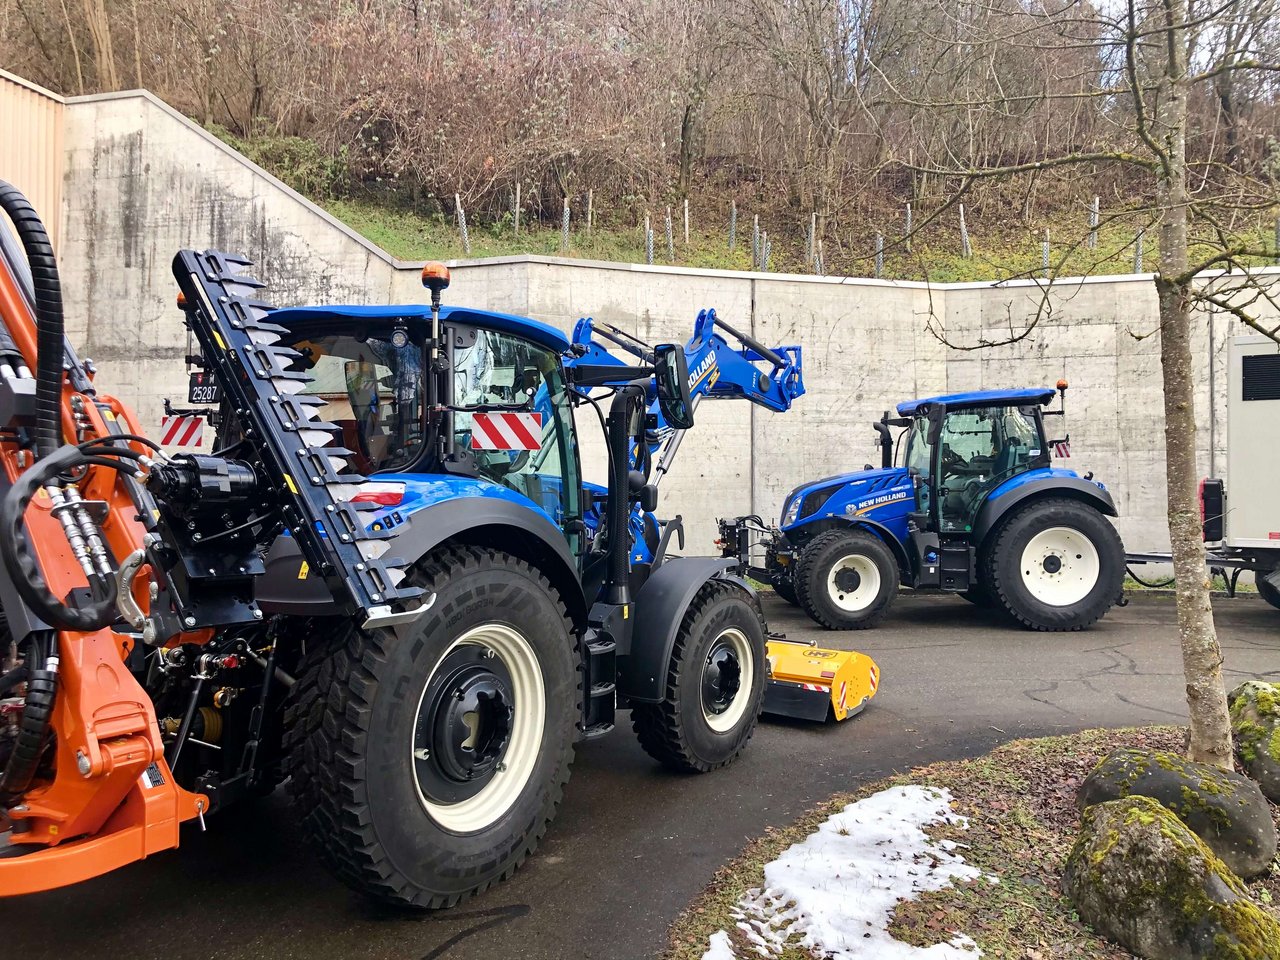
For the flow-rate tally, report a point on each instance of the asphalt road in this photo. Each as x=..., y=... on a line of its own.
x=632, y=844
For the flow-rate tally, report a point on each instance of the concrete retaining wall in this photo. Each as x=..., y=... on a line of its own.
x=143, y=181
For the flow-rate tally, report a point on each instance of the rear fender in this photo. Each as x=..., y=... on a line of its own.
x=288, y=587
x=1000, y=504
x=659, y=608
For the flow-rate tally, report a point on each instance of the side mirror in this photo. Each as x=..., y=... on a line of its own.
x=672, y=376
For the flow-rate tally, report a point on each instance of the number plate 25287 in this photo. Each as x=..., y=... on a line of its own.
x=203, y=388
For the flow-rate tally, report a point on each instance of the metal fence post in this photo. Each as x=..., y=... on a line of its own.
x=1137, y=251
x=462, y=224
x=590, y=210
x=671, y=245
x=907, y=233
x=564, y=228
x=1094, y=211
x=1044, y=252
x=879, y=254
x=648, y=241
x=966, y=250
x=517, y=208
x=756, y=259
x=766, y=249
x=733, y=224
x=686, y=221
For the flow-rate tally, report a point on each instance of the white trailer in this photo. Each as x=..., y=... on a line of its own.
x=1241, y=511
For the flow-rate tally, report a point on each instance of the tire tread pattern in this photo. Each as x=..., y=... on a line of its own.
x=660, y=726
x=805, y=588
x=327, y=722
x=999, y=590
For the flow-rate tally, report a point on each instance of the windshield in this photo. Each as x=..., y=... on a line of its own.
x=374, y=394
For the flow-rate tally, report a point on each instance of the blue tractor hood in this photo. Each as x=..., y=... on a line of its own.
x=884, y=495
x=884, y=474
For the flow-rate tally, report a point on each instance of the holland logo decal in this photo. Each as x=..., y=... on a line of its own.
x=506, y=431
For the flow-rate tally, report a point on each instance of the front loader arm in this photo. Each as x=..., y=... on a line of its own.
x=770, y=378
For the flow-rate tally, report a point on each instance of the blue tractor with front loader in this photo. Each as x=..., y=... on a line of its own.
x=974, y=507
x=381, y=584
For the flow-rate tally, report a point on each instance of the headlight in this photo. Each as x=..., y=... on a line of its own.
x=792, y=512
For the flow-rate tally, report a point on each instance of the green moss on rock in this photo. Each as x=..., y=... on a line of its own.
x=1255, y=722
x=1139, y=877
x=1226, y=810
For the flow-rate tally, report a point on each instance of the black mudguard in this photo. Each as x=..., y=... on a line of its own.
x=659, y=607
x=289, y=588
x=1075, y=488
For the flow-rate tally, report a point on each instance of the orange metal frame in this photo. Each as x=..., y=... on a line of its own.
x=126, y=806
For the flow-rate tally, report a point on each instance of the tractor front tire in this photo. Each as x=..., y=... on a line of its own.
x=1265, y=590
x=426, y=765
x=846, y=579
x=1055, y=565
x=714, y=685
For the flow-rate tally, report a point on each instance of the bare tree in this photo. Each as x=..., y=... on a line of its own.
x=1150, y=61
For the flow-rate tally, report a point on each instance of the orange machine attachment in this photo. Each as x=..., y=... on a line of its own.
x=108, y=797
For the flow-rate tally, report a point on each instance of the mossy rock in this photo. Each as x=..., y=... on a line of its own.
x=1139, y=877
x=1226, y=810
x=1255, y=721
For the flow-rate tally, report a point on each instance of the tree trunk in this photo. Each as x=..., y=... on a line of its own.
x=1201, y=654
x=104, y=58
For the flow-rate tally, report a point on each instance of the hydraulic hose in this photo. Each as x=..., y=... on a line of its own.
x=37, y=715
x=48, y=309
x=55, y=460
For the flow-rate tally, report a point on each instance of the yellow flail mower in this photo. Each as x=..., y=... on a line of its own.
x=809, y=682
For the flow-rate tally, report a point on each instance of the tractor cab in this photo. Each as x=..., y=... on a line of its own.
x=959, y=449
x=494, y=407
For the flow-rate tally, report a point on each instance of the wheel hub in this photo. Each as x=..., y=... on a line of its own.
x=721, y=678
x=1052, y=563
x=464, y=725
x=848, y=580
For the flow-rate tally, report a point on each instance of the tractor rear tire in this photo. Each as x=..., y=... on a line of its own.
x=714, y=685
x=1055, y=565
x=784, y=588
x=1265, y=590
x=846, y=579
x=426, y=765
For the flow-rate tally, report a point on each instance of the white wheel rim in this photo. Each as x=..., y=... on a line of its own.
x=521, y=756
x=1060, y=566
x=726, y=720
x=868, y=588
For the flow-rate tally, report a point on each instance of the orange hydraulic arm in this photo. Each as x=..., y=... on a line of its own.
x=106, y=797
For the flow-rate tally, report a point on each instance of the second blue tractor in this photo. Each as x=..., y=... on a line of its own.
x=966, y=500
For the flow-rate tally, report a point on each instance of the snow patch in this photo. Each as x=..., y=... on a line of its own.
x=834, y=892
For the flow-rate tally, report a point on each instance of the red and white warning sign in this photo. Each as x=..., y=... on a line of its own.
x=875, y=679
x=181, y=431
x=506, y=431
x=1062, y=449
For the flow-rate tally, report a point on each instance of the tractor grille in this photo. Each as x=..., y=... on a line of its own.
x=813, y=501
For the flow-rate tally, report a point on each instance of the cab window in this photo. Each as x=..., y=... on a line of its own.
x=978, y=450
x=512, y=412
x=374, y=393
